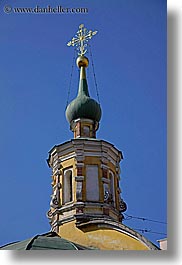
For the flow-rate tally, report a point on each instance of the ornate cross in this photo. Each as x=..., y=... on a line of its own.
x=82, y=37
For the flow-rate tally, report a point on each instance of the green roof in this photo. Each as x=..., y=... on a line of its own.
x=48, y=241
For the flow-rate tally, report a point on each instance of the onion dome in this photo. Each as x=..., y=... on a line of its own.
x=83, y=106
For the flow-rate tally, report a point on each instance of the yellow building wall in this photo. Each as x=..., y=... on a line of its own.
x=103, y=238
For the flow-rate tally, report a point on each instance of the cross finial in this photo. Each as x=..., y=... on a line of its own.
x=81, y=38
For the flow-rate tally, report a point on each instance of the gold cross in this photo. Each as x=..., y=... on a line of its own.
x=82, y=37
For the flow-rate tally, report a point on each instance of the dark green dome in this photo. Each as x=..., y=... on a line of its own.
x=47, y=241
x=83, y=106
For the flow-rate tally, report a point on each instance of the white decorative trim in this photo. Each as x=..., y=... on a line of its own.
x=82, y=147
x=105, y=180
x=67, y=157
x=104, y=166
x=84, y=120
x=80, y=165
x=79, y=178
x=68, y=169
x=66, y=207
x=104, y=159
x=57, y=172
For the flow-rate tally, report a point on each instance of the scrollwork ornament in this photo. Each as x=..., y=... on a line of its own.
x=123, y=206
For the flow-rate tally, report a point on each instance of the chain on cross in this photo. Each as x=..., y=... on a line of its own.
x=81, y=39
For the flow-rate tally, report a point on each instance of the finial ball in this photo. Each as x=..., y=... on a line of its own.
x=82, y=61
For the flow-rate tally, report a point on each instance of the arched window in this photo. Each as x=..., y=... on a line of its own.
x=68, y=187
x=112, y=186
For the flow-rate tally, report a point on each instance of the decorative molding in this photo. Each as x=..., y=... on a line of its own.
x=57, y=172
x=105, y=180
x=49, y=214
x=104, y=166
x=79, y=157
x=66, y=220
x=79, y=204
x=79, y=191
x=68, y=169
x=66, y=207
x=79, y=178
x=85, y=147
x=118, y=170
x=118, y=189
x=67, y=157
x=79, y=164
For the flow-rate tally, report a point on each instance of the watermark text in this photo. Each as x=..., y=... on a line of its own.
x=45, y=10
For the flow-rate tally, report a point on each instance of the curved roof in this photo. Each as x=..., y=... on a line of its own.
x=47, y=241
x=83, y=107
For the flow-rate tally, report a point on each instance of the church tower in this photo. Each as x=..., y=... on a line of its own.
x=86, y=204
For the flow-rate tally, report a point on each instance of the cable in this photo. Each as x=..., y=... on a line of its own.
x=143, y=219
x=69, y=88
x=149, y=231
x=88, y=69
x=94, y=73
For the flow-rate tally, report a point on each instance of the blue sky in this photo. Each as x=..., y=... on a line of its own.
x=129, y=54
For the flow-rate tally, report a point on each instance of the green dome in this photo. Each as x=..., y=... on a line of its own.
x=83, y=106
x=47, y=241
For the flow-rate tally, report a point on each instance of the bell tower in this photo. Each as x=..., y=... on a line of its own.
x=85, y=170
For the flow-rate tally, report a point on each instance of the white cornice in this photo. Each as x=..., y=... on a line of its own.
x=67, y=157
x=81, y=148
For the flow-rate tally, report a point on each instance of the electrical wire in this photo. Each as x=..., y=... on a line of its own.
x=69, y=88
x=94, y=72
x=149, y=231
x=128, y=217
